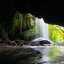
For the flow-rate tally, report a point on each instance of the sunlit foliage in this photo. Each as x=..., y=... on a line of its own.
x=56, y=33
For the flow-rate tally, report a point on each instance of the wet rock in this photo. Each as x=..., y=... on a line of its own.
x=41, y=41
x=10, y=42
x=34, y=43
x=19, y=42
x=44, y=42
x=5, y=42
x=60, y=44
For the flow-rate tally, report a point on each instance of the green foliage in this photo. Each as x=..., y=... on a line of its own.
x=30, y=33
x=56, y=33
x=22, y=23
x=17, y=22
x=28, y=22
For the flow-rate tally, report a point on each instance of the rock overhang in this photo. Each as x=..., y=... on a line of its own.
x=51, y=11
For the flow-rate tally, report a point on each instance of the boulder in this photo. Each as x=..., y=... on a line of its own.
x=41, y=41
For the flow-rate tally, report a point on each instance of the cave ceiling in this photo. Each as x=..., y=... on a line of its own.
x=51, y=10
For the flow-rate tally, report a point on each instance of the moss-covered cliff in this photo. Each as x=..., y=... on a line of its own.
x=20, y=27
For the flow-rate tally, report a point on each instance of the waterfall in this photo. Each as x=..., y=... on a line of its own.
x=42, y=27
x=36, y=26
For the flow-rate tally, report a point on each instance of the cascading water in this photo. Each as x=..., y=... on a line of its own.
x=36, y=27
x=42, y=27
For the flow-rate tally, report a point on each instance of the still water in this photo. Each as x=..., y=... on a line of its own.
x=50, y=54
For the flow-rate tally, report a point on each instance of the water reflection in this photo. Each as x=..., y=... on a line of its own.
x=50, y=54
x=34, y=55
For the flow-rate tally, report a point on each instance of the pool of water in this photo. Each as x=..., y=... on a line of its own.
x=32, y=55
x=50, y=54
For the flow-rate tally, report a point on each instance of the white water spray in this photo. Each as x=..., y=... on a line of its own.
x=42, y=27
